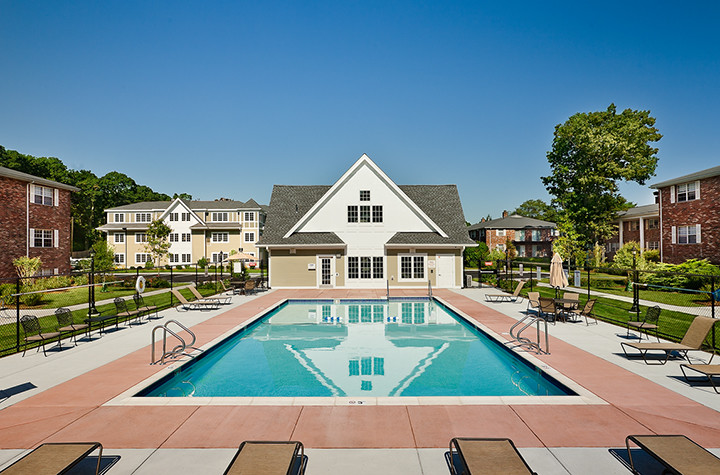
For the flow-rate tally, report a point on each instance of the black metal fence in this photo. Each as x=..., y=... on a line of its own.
x=625, y=294
x=89, y=294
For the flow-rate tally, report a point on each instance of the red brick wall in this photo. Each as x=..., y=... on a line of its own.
x=13, y=228
x=522, y=237
x=688, y=213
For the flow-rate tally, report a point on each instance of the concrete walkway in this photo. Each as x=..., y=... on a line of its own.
x=40, y=405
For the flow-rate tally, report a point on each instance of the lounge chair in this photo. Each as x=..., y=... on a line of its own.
x=268, y=458
x=229, y=291
x=652, y=316
x=185, y=305
x=586, y=311
x=143, y=307
x=67, y=324
x=479, y=456
x=506, y=297
x=34, y=334
x=123, y=312
x=546, y=307
x=692, y=341
x=54, y=458
x=677, y=453
x=709, y=370
x=220, y=300
x=533, y=299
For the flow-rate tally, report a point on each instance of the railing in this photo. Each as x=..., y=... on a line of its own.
x=429, y=290
x=532, y=319
x=178, y=350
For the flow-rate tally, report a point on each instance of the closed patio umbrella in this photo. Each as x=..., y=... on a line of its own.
x=557, y=275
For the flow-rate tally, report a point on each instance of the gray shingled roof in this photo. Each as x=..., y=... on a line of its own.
x=16, y=175
x=640, y=211
x=710, y=172
x=513, y=222
x=290, y=203
x=193, y=205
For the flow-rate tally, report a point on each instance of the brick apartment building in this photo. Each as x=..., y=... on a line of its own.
x=640, y=224
x=531, y=237
x=689, y=217
x=34, y=222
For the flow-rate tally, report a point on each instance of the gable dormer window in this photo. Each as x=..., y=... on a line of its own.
x=365, y=214
x=364, y=195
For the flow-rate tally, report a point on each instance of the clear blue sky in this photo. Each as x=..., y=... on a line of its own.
x=228, y=98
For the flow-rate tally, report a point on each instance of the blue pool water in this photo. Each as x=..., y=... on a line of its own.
x=356, y=349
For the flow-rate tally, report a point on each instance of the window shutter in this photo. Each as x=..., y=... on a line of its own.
x=697, y=197
x=672, y=196
x=673, y=234
x=56, y=194
x=697, y=231
x=56, y=236
x=32, y=237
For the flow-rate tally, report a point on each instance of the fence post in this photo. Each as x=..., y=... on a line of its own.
x=90, y=287
x=196, y=274
x=17, y=315
x=712, y=303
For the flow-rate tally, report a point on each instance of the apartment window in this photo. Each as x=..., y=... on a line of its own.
x=140, y=238
x=377, y=214
x=652, y=223
x=174, y=216
x=687, y=234
x=686, y=192
x=249, y=237
x=42, y=195
x=412, y=267
x=119, y=217
x=365, y=267
x=186, y=237
x=174, y=237
x=186, y=258
x=217, y=256
x=42, y=238
x=353, y=272
x=378, y=268
x=633, y=225
x=612, y=246
x=536, y=236
x=220, y=217
x=119, y=238
x=220, y=237
x=364, y=214
x=500, y=232
x=119, y=258
x=249, y=216
x=652, y=245
x=185, y=216
x=143, y=217
x=174, y=258
x=521, y=250
x=352, y=214
x=142, y=258
x=364, y=195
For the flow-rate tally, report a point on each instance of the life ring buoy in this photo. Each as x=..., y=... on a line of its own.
x=140, y=284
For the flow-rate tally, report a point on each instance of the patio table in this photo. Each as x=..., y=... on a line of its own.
x=566, y=304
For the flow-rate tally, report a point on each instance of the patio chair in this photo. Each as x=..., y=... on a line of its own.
x=268, y=458
x=123, y=312
x=220, y=300
x=586, y=311
x=143, y=307
x=709, y=370
x=67, y=324
x=533, y=299
x=652, y=316
x=572, y=302
x=506, y=297
x=692, y=341
x=677, y=453
x=185, y=305
x=546, y=307
x=469, y=456
x=249, y=287
x=51, y=458
x=34, y=334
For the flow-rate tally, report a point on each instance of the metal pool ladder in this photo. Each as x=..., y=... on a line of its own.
x=178, y=350
x=522, y=340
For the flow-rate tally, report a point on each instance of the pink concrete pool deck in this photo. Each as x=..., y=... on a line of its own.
x=76, y=410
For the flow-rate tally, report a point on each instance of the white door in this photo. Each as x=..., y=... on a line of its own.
x=326, y=275
x=445, y=268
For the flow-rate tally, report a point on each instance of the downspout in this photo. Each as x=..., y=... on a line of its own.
x=27, y=222
x=662, y=258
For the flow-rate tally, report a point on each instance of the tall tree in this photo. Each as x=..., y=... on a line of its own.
x=537, y=209
x=591, y=153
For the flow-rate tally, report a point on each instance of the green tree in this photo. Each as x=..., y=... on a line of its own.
x=158, y=243
x=474, y=256
x=182, y=196
x=510, y=250
x=591, y=153
x=537, y=209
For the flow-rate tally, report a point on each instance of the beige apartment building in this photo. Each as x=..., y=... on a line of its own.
x=209, y=229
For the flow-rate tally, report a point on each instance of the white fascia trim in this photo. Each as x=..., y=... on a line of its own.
x=364, y=159
x=424, y=246
x=304, y=246
x=167, y=210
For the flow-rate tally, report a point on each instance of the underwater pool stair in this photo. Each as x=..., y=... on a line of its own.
x=178, y=350
x=526, y=322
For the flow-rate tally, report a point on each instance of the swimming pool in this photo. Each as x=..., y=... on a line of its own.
x=357, y=348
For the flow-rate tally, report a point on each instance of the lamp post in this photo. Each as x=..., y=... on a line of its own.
x=636, y=290
x=91, y=308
